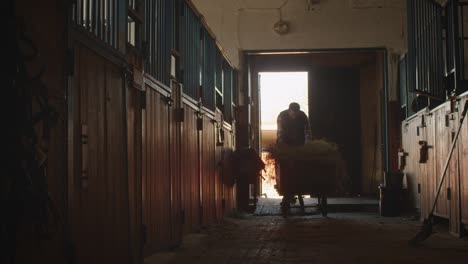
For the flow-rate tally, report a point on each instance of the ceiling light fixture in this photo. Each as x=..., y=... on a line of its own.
x=281, y=27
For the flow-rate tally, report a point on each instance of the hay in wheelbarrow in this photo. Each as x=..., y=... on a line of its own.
x=319, y=149
x=315, y=151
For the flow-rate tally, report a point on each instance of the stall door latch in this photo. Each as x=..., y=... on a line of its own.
x=423, y=151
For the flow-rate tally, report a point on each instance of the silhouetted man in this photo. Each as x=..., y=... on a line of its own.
x=293, y=126
x=294, y=130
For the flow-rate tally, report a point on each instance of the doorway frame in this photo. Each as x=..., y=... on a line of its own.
x=250, y=96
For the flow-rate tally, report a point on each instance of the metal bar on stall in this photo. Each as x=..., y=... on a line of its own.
x=462, y=42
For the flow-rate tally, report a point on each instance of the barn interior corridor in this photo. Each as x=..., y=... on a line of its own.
x=341, y=238
x=135, y=131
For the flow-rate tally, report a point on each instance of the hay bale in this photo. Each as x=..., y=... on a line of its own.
x=313, y=150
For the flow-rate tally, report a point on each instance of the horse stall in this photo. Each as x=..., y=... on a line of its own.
x=427, y=138
x=208, y=168
x=190, y=167
x=98, y=189
x=135, y=161
x=463, y=163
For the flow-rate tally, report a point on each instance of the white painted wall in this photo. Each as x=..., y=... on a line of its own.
x=248, y=24
x=334, y=24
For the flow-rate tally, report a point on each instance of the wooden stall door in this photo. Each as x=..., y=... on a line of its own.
x=218, y=161
x=175, y=124
x=448, y=206
x=228, y=177
x=99, y=187
x=208, y=146
x=454, y=179
x=442, y=135
x=190, y=170
x=156, y=180
x=463, y=158
x=219, y=185
x=134, y=170
x=410, y=133
x=427, y=172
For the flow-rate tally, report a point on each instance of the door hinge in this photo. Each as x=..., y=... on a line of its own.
x=144, y=234
x=199, y=124
x=70, y=60
x=419, y=188
x=449, y=193
x=182, y=216
x=167, y=100
x=143, y=99
x=423, y=151
x=179, y=114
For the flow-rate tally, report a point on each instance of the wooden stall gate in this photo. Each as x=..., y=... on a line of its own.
x=98, y=190
x=229, y=194
x=444, y=125
x=134, y=156
x=427, y=138
x=161, y=181
x=208, y=168
x=411, y=136
x=207, y=185
x=463, y=163
x=190, y=163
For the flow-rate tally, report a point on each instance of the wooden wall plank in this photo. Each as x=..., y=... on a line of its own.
x=463, y=155
x=441, y=146
x=190, y=171
x=218, y=181
x=134, y=155
x=175, y=126
x=412, y=168
x=208, y=171
x=101, y=183
x=453, y=180
x=428, y=172
x=437, y=129
x=228, y=177
x=156, y=173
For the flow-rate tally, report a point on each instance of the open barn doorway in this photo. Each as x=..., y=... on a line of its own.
x=344, y=95
x=277, y=90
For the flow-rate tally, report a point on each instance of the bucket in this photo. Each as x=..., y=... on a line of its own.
x=391, y=194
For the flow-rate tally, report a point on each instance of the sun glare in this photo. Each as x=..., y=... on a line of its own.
x=278, y=89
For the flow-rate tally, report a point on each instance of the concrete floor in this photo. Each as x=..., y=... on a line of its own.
x=340, y=238
x=269, y=206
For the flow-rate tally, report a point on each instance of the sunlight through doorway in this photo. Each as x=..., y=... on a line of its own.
x=277, y=91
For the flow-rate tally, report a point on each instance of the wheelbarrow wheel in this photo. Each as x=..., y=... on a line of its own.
x=301, y=200
x=324, y=205
x=301, y=203
x=285, y=206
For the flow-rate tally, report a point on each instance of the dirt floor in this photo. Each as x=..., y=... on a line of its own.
x=340, y=238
